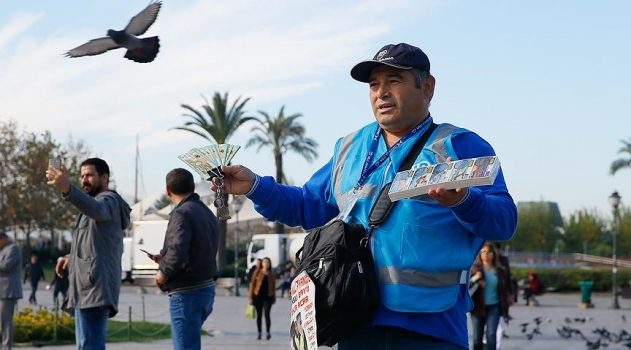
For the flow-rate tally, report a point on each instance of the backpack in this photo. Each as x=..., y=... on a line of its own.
x=343, y=272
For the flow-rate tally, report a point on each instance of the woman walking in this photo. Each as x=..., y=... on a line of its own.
x=262, y=293
x=491, y=298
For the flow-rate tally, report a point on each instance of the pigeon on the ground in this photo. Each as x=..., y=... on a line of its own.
x=138, y=50
x=593, y=345
x=564, y=332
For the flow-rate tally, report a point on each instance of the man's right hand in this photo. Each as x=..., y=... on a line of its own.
x=58, y=178
x=62, y=264
x=237, y=179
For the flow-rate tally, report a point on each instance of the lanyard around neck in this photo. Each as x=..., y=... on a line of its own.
x=369, y=168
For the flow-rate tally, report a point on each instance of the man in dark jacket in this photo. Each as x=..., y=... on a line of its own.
x=187, y=260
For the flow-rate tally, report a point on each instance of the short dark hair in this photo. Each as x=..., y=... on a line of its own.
x=180, y=181
x=3, y=235
x=99, y=164
x=419, y=76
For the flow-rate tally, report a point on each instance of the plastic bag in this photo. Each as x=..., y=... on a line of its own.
x=250, y=311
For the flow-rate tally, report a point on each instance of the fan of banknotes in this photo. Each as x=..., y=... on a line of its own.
x=205, y=160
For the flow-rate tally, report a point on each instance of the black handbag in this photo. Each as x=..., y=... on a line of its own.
x=338, y=260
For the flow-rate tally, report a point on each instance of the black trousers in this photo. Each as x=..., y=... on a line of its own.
x=263, y=307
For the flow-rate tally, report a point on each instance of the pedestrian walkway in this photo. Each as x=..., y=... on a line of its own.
x=229, y=329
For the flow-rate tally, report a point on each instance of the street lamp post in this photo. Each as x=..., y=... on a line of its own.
x=237, y=204
x=614, y=200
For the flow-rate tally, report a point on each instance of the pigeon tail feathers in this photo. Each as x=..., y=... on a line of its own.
x=147, y=52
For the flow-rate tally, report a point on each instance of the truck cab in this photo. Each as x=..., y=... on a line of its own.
x=146, y=235
x=281, y=248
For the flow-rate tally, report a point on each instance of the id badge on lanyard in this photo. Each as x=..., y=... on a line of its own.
x=350, y=203
x=369, y=167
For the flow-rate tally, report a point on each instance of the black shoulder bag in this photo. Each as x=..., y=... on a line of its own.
x=339, y=262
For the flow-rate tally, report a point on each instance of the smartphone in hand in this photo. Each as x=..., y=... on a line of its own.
x=148, y=254
x=55, y=163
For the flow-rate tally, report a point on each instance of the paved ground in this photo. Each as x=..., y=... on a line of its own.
x=229, y=328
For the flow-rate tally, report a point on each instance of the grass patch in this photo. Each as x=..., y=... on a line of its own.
x=36, y=328
x=118, y=331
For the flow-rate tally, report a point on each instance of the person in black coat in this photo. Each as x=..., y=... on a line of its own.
x=59, y=284
x=34, y=272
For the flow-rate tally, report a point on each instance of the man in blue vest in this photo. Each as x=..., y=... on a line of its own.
x=424, y=250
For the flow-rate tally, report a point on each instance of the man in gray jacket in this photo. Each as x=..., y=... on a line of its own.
x=187, y=260
x=10, y=287
x=94, y=262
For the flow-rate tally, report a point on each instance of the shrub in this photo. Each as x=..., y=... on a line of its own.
x=31, y=325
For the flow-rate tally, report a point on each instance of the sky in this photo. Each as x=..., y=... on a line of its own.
x=545, y=82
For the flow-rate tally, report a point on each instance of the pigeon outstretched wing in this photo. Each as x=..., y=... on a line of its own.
x=93, y=47
x=139, y=24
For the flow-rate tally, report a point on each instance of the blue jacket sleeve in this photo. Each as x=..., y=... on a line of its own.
x=489, y=212
x=309, y=206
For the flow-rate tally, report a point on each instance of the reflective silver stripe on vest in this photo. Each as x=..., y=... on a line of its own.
x=345, y=147
x=438, y=144
x=395, y=275
x=342, y=198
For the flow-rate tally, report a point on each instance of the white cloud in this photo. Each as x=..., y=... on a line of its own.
x=267, y=50
x=19, y=24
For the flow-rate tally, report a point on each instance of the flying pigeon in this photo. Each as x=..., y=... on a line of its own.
x=138, y=50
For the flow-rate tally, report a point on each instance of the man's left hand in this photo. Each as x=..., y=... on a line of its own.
x=447, y=197
x=160, y=278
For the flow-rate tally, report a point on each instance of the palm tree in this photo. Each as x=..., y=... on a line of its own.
x=282, y=133
x=216, y=123
x=622, y=163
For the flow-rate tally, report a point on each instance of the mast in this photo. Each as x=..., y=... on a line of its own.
x=136, y=172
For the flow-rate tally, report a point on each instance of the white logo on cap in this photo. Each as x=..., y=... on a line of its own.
x=381, y=55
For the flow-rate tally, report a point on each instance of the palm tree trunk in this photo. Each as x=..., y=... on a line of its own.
x=278, y=159
x=221, y=249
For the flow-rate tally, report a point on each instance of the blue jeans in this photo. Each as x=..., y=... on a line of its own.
x=392, y=338
x=491, y=320
x=188, y=311
x=91, y=327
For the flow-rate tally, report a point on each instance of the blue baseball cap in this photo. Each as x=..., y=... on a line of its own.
x=402, y=56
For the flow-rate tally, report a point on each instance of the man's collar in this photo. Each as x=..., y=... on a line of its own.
x=191, y=196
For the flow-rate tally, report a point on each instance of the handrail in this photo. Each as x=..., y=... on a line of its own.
x=601, y=260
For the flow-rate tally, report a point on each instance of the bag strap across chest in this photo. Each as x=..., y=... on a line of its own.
x=383, y=205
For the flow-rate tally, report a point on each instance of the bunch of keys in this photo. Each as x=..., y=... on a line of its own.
x=223, y=213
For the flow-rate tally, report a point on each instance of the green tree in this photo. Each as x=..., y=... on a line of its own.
x=623, y=162
x=34, y=195
x=216, y=122
x=282, y=134
x=27, y=203
x=538, y=228
x=583, y=231
x=624, y=231
x=9, y=141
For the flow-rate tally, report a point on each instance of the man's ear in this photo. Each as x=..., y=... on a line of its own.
x=428, y=86
x=105, y=178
